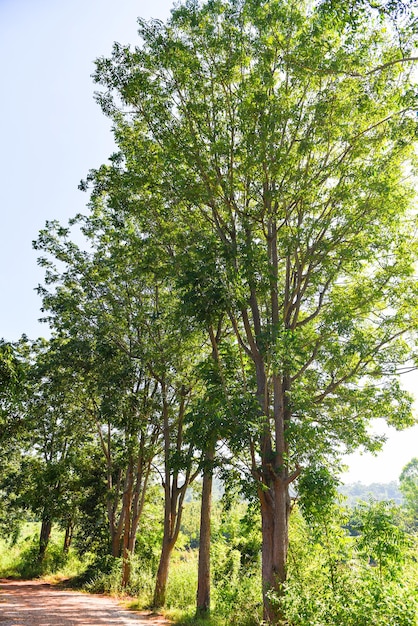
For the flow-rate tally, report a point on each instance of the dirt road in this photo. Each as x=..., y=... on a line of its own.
x=33, y=603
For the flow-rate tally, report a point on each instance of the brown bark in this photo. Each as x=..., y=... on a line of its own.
x=127, y=489
x=116, y=544
x=116, y=521
x=275, y=540
x=126, y=516
x=173, y=494
x=272, y=475
x=170, y=515
x=143, y=470
x=132, y=507
x=203, y=576
x=44, y=536
x=274, y=496
x=169, y=511
x=68, y=536
x=162, y=574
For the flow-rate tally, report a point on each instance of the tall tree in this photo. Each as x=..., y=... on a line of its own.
x=51, y=429
x=283, y=132
x=118, y=306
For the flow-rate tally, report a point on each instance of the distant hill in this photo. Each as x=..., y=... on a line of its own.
x=356, y=492
x=353, y=492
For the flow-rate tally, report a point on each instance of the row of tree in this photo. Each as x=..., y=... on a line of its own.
x=245, y=292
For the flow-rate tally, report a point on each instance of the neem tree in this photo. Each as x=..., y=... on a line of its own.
x=280, y=133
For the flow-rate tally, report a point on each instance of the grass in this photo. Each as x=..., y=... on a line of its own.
x=18, y=558
x=10, y=551
x=188, y=618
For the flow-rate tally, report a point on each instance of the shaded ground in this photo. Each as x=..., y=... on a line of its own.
x=33, y=603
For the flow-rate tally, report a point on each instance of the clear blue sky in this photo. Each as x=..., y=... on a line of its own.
x=52, y=132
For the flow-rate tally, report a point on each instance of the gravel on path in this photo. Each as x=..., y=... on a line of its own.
x=34, y=603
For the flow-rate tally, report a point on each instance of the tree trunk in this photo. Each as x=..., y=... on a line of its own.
x=162, y=575
x=203, y=577
x=173, y=496
x=44, y=537
x=273, y=490
x=275, y=540
x=116, y=544
x=126, y=568
x=116, y=523
x=126, y=514
x=68, y=537
x=138, y=502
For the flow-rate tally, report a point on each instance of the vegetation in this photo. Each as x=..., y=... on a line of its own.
x=358, y=492
x=243, y=305
x=409, y=488
x=348, y=567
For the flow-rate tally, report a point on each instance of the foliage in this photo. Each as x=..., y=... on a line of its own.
x=247, y=285
x=352, y=581
x=13, y=433
x=409, y=487
x=382, y=540
x=18, y=558
x=280, y=170
x=335, y=579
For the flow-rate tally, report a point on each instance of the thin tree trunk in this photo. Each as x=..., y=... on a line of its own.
x=273, y=488
x=116, y=543
x=137, y=509
x=44, y=537
x=173, y=498
x=162, y=574
x=169, y=510
x=275, y=504
x=203, y=576
x=126, y=514
x=68, y=536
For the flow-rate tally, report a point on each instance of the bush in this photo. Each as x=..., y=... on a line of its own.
x=337, y=580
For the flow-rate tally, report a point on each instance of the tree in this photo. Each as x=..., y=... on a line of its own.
x=43, y=427
x=382, y=541
x=117, y=306
x=282, y=133
x=13, y=374
x=408, y=484
x=101, y=303
x=13, y=431
x=53, y=416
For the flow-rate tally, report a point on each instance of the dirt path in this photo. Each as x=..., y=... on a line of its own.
x=33, y=603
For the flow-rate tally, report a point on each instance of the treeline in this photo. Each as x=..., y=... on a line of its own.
x=244, y=299
x=356, y=492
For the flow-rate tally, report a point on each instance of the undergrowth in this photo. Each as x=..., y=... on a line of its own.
x=19, y=556
x=354, y=568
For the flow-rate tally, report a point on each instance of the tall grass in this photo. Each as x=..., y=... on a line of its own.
x=19, y=556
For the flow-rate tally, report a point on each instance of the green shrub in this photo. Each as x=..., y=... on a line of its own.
x=337, y=580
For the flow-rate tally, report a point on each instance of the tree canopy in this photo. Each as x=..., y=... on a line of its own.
x=250, y=268
x=268, y=147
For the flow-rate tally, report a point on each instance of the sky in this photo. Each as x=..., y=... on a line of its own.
x=52, y=132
